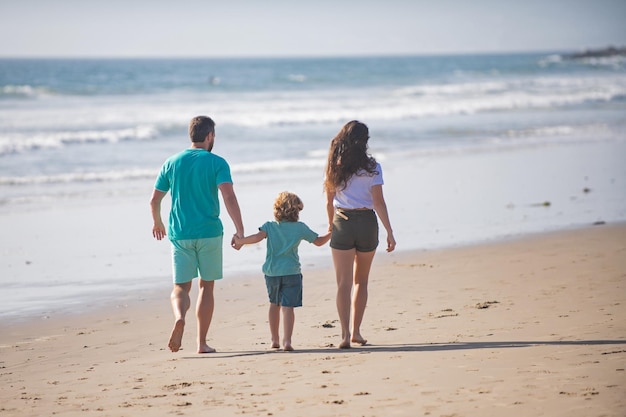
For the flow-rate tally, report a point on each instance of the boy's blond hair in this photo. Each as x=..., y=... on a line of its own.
x=287, y=207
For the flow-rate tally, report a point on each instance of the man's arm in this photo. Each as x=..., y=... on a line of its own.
x=158, y=228
x=232, y=207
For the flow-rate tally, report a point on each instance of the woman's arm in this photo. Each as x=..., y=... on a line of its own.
x=330, y=208
x=381, y=210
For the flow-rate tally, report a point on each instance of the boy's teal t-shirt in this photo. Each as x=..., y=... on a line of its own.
x=283, y=239
x=192, y=177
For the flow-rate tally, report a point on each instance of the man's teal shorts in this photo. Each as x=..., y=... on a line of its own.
x=197, y=257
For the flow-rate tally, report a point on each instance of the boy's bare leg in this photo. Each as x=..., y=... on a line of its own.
x=361, y=276
x=204, y=313
x=274, y=319
x=180, y=304
x=289, y=319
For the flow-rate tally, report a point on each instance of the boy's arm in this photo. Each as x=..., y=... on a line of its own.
x=321, y=240
x=255, y=238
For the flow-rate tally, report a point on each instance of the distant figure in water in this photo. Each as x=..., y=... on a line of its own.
x=193, y=177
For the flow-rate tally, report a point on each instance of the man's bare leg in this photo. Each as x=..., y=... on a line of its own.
x=180, y=304
x=204, y=313
x=274, y=320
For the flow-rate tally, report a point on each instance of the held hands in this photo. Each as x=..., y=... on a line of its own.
x=235, y=242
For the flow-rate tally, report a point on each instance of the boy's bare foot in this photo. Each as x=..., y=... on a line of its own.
x=359, y=340
x=176, y=337
x=344, y=345
x=204, y=348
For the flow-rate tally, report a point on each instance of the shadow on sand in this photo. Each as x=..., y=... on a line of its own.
x=417, y=347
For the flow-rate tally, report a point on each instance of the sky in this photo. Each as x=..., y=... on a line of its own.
x=290, y=28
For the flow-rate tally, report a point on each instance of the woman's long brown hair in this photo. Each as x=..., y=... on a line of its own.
x=348, y=155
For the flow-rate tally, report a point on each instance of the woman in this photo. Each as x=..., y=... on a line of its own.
x=354, y=196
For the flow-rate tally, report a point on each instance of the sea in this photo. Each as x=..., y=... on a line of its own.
x=473, y=147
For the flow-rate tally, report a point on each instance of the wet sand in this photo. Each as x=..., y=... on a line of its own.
x=525, y=327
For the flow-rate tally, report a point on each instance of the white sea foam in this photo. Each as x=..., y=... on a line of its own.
x=27, y=91
x=78, y=177
x=19, y=142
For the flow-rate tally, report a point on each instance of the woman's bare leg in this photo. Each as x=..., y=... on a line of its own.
x=344, y=265
x=362, y=268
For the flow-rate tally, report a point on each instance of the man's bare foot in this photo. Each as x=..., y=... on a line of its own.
x=204, y=348
x=359, y=340
x=176, y=337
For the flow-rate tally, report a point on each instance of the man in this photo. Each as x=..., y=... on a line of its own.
x=195, y=230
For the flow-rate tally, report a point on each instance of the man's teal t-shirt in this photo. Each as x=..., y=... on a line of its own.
x=192, y=177
x=283, y=239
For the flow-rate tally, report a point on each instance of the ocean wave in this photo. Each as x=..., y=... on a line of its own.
x=20, y=142
x=294, y=108
x=539, y=86
x=277, y=165
x=150, y=174
x=79, y=177
x=23, y=91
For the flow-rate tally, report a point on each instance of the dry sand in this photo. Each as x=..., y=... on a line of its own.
x=528, y=327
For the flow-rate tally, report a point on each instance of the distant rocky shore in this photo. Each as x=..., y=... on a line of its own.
x=598, y=53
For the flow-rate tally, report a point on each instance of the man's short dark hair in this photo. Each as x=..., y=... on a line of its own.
x=200, y=127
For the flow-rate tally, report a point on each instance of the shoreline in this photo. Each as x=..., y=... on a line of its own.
x=528, y=326
x=315, y=265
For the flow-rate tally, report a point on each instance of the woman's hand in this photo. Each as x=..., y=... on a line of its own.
x=391, y=242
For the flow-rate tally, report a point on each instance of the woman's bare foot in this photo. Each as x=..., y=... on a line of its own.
x=204, y=348
x=287, y=347
x=177, y=335
x=359, y=339
x=275, y=345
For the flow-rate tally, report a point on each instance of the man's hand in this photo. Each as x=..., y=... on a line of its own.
x=158, y=231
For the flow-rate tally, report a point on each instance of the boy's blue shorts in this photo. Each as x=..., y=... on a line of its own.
x=197, y=257
x=285, y=290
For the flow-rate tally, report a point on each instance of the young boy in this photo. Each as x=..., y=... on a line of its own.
x=282, y=271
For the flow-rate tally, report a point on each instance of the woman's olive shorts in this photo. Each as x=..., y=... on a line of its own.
x=359, y=231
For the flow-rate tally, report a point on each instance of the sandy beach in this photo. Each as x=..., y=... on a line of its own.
x=526, y=327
